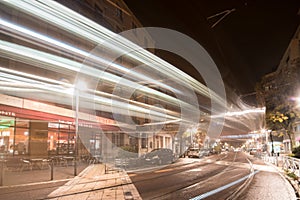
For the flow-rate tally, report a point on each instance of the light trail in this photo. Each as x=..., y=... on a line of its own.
x=80, y=26
x=62, y=87
x=58, y=46
x=207, y=194
x=29, y=85
x=59, y=64
x=239, y=113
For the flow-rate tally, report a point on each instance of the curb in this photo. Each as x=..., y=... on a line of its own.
x=295, y=185
x=34, y=184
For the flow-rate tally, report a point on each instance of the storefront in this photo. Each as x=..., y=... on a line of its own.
x=36, y=133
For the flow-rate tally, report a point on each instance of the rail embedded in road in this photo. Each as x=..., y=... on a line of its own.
x=197, y=178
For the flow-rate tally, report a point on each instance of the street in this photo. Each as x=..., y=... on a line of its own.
x=124, y=99
x=189, y=178
x=230, y=175
x=29, y=191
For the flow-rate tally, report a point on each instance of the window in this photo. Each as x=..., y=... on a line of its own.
x=287, y=59
x=297, y=127
x=146, y=99
x=161, y=141
x=168, y=142
x=118, y=29
x=144, y=141
x=6, y=134
x=99, y=11
x=119, y=13
x=134, y=28
x=14, y=139
x=21, y=141
x=118, y=139
x=61, y=138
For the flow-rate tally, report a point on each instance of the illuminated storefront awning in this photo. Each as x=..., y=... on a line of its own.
x=18, y=107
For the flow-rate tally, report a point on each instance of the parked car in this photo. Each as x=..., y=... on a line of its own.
x=204, y=152
x=253, y=151
x=159, y=156
x=193, y=152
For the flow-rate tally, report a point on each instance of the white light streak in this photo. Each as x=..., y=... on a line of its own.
x=239, y=113
x=80, y=26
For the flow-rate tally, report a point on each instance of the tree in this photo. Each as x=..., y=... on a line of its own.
x=282, y=118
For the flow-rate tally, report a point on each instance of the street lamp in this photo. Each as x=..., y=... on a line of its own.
x=79, y=86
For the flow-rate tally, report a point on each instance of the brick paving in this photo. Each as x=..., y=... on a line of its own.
x=97, y=183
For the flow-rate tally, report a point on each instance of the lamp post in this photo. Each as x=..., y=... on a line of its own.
x=191, y=138
x=80, y=85
x=76, y=128
x=272, y=143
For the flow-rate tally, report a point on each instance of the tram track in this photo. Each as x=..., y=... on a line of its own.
x=237, y=193
x=187, y=166
x=194, y=183
x=182, y=168
x=183, y=189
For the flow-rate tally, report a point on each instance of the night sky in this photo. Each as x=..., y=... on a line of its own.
x=245, y=45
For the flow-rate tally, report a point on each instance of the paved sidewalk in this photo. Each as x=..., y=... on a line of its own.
x=268, y=184
x=97, y=183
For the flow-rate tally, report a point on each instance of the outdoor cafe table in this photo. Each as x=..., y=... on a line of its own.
x=69, y=159
x=38, y=163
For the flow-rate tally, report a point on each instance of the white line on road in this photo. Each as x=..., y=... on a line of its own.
x=207, y=194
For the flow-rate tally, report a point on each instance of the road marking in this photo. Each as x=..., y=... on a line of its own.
x=207, y=194
x=34, y=184
x=195, y=170
x=164, y=170
x=130, y=175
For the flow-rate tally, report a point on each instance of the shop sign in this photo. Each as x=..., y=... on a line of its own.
x=52, y=125
x=4, y=133
x=66, y=122
x=7, y=113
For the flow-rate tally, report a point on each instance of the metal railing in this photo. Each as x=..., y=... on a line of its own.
x=291, y=164
x=287, y=163
x=272, y=159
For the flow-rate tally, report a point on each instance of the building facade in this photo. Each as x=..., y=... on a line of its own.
x=283, y=86
x=42, y=106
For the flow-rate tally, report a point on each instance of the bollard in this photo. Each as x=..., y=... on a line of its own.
x=51, y=168
x=75, y=166
x=2, y=172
